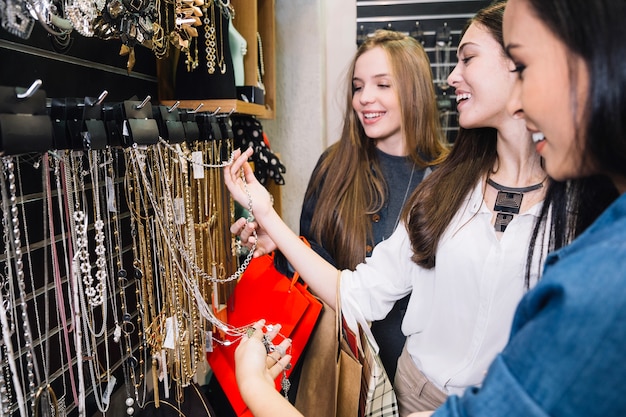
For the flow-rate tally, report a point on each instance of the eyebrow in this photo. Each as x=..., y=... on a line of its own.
x=383, y=75
x=463, y=45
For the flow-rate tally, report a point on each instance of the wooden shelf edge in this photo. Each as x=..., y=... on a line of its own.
x=225, y=106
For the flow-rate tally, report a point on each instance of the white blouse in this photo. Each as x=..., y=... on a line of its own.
x=460, y=312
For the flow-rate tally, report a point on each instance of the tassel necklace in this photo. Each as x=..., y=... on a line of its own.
x=508, y=202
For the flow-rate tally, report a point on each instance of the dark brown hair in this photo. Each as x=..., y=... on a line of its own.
x=436, y=201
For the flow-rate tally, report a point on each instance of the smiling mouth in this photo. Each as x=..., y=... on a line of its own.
x=373, y=115
x=464, y=96
x=538, y=137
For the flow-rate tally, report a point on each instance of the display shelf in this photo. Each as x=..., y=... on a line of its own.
x=224, y=106
x=251, y=17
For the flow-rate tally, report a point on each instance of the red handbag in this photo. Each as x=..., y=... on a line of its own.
x=264, y=293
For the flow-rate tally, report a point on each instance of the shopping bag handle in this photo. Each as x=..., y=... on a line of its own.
x=296, y=275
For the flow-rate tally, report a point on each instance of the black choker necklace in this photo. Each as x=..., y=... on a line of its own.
x=508, y=202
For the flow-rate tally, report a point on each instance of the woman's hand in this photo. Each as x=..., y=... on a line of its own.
x=245, y=230
x=255, y=368
x=246, y=189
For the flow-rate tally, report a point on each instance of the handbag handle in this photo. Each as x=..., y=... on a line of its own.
x=338, y=324
x=296, y=275
x=343, y=331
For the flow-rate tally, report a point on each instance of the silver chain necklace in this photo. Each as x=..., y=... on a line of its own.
x=406, y=194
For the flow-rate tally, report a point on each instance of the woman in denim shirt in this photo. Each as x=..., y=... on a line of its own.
x=566, y=354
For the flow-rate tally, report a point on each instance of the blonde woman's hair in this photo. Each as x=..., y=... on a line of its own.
x=346, y=183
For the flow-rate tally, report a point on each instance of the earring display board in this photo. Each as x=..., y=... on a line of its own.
x=438, y=25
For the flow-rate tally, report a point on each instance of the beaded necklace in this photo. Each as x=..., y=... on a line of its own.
x=45, y=391
x=32, y=369
x=14, y=256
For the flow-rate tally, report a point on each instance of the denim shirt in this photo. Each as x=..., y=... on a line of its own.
x=566, y=355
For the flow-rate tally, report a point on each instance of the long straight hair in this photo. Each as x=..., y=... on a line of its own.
x=437, y=199
x=348, y=184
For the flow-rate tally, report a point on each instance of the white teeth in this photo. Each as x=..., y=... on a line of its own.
x=372, y=115
x=463, y=96
x=538, y=137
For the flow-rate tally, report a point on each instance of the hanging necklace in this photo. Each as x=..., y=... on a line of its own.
x=15, y=272
x=508, y=202
x=260, y=70
x=406, y=194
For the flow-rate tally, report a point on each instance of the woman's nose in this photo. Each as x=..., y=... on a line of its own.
x=514, y=105
x=367, y=95
x=455, y=76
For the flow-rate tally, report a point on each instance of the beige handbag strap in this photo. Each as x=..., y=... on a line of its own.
x=338, y=324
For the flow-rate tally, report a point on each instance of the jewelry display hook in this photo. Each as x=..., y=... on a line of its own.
x=31, y=90
x=91, y=102
x=226, y=115
x=101, y=98
x=197, y=109
x=174, y=107
x=418, y=34
x=25, y=125
x=143, y=103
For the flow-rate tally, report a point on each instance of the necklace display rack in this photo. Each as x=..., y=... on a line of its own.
x=116, y=256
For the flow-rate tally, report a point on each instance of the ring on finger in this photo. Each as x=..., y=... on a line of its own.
x=281, y=350
x=284, y=367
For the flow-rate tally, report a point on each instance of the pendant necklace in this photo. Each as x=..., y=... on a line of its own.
x=508, y=202
x=406, y=194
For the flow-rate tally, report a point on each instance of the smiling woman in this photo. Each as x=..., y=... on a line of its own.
x=547, y=66
x=390, y=139
x=565, y=352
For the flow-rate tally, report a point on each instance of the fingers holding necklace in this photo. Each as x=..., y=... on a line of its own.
x=240, y=160
x=238, y=175
x=245, y=230
x=277, y=352
x=232, y=173
x=277, y=360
